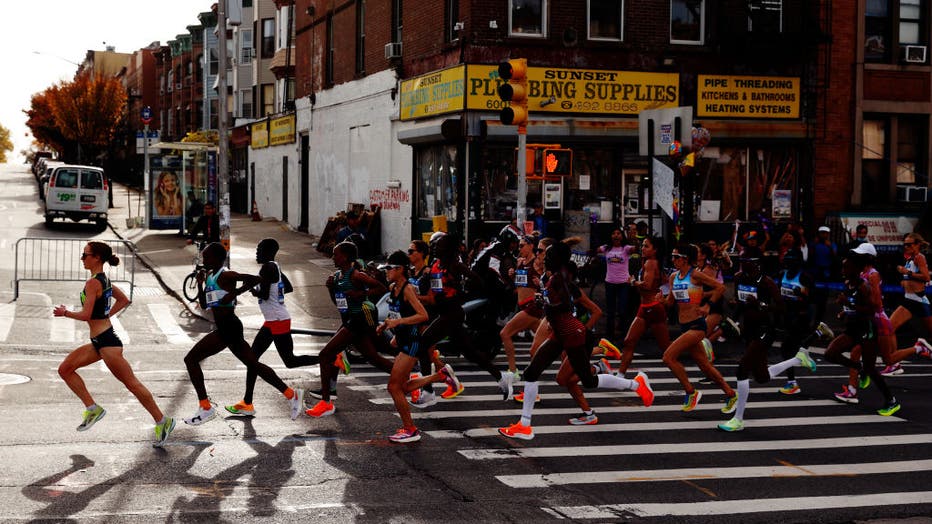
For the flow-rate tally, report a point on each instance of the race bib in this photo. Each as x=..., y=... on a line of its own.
x=788, y=292
x=436, y=282
x=213, y=297
x=746, y=292
x=521, y=278
x=342, y=304
x=394, y=312
x=546, y=297
x=681, y=293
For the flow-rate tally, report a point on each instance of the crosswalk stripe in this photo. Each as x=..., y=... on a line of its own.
x=694, y=447
x=810, y=504
x=491, y=413
x=168, y=325
x=693, y=474
x=118, y=329
x=7, y=316
x=62, y=330
x=672, y=426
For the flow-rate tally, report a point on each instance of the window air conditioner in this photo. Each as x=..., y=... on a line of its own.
x=912, y=194
x=914, y=54
x=392, y=50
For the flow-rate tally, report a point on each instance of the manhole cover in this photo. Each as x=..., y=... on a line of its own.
x=7, y=379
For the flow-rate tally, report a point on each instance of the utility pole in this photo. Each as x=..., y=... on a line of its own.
x=223, y=175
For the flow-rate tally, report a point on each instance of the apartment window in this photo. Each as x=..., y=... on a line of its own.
x=268, y=37
x=245, y=97
x=765, y=16
x=214, y=114
x=360, y=37
x=890, y=25
x=199, y=69
x=527, y=17
x=245, y=46
x=451, y=16
x=247, y=3
x=606, y=19
x=267, y=99
x=331, y=52
x=687, y=21
x=396, y=21
x=875, y=166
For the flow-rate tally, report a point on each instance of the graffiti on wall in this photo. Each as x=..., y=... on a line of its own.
x=389, y=198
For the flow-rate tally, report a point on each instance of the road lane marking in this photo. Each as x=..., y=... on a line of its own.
x=616, y=512
x=118, y=329
x=489, y=413
x=695, y=447
x=668, y=426
x=168, y=325
x=7, y=315
x=693, y=474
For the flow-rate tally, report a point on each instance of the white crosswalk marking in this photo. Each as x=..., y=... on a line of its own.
x=120, y=332
x=168, y=325
x=7, y=315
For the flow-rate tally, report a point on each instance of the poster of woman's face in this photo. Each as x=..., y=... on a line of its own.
x=167, y=198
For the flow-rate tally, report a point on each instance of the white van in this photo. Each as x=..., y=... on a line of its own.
x=78, y=193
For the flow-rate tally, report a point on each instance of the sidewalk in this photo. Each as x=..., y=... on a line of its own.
x=170, y=259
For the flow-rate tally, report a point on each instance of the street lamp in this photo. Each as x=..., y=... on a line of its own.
x=56, y=56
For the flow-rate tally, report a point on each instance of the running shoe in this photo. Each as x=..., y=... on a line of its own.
x=450, y=392
x=585, y=420
x=316, y=393
x=602, y=367
x=425, y=399
x=923, y=348
x=709, y=352
x=201, y=416
x=893, y=369
x=416, y=394
x=609, y=349
x=735, y=424
x=644, y=390
x=517, y=375
x=321, y=409
x=405, y=435
x=790, y=388
x=520, y=398
x=518, y=431
x=889, y=409
x=806, y=359
x=449, y=377
x=342, y=363
x=692, y=400
x=91, y=416
x=162, y=431
x=824, y=331
x=730, y=327
x=505, y=384
x=731, y=403
x=297, y=403
x=848, y=395
x=864, y=381
x=241, y=409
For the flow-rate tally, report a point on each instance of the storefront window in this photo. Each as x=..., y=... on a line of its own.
x=739, y=183
x=591, y=183
x=499, y=189
x=437, y=183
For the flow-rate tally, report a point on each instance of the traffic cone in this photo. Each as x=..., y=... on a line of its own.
x=256, y=217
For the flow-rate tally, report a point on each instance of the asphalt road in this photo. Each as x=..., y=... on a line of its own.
x=804, y=458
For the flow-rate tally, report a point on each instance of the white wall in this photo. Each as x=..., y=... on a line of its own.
x=353, y=155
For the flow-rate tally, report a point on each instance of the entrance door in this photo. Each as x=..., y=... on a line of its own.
x=284, y=189
x=305, y=184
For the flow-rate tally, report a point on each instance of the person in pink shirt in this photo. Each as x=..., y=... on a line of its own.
x=617, y=279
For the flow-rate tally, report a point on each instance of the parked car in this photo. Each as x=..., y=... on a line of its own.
x=78, y=193
x=39, y=156
x=44, y=177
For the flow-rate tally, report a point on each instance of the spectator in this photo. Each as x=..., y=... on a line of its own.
x=540, y=221
x=859, y=237
x=353, y=227
x=195, y=207
x=824, y=255
x=617, y=280
x=208, y=225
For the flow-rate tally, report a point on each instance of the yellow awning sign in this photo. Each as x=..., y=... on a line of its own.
x=587, y=91
x=282, y=130
x=260, y=134
x=433, y=94
x=760, y=97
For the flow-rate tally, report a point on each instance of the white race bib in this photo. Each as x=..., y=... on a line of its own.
x=342, y=304
x=521, y=278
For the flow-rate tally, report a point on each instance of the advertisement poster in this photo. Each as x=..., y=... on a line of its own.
x=166, y=200
x=782, y=203
x=553, y=197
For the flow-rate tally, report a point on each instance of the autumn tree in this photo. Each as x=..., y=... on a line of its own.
x=87, y=111
x=41, y=122
x=6, y=145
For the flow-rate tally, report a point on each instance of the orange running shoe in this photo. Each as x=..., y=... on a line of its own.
x=321, y=409
x=342, y=363
x=644, y=390
x=518, y=431
x=609, y=349
x=450, y=392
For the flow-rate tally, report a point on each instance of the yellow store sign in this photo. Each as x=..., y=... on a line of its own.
x=282, y=130
x=747, y=97
x=551, y=90
x=588, y=91
x=433, y=94
x=260, y=135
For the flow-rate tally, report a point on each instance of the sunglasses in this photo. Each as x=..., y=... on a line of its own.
x=538, y=250
x=85, y=255
x=909, y=243
x=412, y=251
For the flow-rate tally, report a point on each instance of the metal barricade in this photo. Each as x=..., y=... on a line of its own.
x=59, y=259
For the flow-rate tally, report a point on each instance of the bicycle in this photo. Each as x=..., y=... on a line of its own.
x=189, y=285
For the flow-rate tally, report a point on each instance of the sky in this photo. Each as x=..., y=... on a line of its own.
x=62, y=31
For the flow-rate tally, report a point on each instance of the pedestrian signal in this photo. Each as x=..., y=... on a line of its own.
x=558, y=162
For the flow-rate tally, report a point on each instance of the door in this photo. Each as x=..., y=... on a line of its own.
x=284, y=189
x=305, y=184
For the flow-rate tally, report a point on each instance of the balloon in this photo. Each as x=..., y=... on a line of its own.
x=701, y=138
x=676, y=149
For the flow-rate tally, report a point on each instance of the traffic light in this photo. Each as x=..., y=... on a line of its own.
x=558, y=162
x=514, y=91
